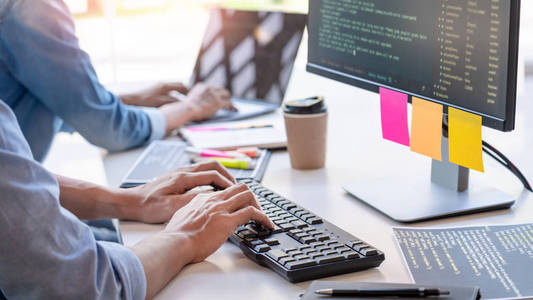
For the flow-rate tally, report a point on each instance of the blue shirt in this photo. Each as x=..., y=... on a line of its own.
x=47, y=79
x=45, y=251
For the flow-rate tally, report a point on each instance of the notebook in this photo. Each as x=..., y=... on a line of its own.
x=273, y=137
x=456, y=292
x=162, y=157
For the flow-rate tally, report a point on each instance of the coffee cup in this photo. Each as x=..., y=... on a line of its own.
x=306, y=125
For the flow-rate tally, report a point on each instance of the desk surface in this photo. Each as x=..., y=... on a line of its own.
x=355, y=151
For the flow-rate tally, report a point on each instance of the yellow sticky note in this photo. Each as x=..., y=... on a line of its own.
x=426, y=128
x=464, y=134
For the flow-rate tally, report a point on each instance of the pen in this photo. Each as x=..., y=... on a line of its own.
x=409, y=292
x=222, y=128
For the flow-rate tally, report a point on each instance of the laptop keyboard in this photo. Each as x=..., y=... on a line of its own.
x=302, y=246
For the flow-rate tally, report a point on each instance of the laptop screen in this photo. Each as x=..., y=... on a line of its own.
x=250, y=53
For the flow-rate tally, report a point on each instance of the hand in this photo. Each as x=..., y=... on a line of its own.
x=210, y=219
x=201, y=103
x=156, y=96
x=194, y=232
x=156, y=201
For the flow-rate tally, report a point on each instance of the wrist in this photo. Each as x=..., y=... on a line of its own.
x=177, y=115
x=127, y=204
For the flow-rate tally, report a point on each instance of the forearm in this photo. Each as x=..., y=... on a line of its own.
x=89, y=201
x=176, y=116
x=162, y=257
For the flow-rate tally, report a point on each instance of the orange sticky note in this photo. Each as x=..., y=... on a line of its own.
x=464, y=134
x=426, y=128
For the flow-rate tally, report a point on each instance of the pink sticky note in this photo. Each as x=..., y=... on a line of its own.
x=394, y=124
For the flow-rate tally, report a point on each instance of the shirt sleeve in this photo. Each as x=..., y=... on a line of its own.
x=44, y=55
x=45, y=251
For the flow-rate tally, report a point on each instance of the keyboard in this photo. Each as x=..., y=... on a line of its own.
x=302, y=246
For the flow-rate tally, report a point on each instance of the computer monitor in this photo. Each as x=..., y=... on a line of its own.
x=460, y=54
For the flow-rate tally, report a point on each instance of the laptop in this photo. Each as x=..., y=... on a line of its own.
x=252, y=54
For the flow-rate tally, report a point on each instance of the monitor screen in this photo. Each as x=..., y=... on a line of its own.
x=454, y=52
x=251, y=53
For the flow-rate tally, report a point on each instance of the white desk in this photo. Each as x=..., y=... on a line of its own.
x=355, y=151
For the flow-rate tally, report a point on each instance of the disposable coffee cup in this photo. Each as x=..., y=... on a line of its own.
x=306, y=123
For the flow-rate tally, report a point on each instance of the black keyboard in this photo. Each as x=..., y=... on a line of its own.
x=302, y=246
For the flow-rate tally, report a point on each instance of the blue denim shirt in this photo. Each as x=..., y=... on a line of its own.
x=45, y=251
x=47, y=79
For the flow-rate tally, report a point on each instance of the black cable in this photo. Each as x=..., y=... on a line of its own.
x=507, y=163
x=502, y=159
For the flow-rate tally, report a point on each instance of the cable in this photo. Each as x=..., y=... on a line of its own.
x=492, y=151
x=502, y=159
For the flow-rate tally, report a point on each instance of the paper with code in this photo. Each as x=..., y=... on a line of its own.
x=498, y=259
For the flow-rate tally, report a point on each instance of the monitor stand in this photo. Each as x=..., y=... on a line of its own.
x=409, y=200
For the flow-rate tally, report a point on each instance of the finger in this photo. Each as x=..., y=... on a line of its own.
x=222, y=93
x=175, y=86
x=233, y=190
x=246, y=214
x=240, y=201
x=212, y=178
x=184, y=199
x=214, y=166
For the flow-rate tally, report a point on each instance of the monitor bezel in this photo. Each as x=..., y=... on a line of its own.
x=507, y=124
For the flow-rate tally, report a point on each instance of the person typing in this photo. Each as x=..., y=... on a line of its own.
x=48, y=253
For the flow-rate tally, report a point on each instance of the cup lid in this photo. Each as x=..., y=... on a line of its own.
x=312, y=105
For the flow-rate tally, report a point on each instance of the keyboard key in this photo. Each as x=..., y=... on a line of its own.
x=265, y=193
x=271, y=242
x=302, y=213
x=299, y=224
x=314, y=221
x=322, y=237
x=369, y=251
x=304, y=247
x=351, y=255
x=286, y=226
x=295, y=210
x=291, y=219
x=316, y=255
x=286, y=260
x=301, y=256
x=262, y=248
x=295, y=231
x=330, y=252
x=254, y=243
x=300, y=264
x=288, y=206
x=329, y=258
x=277, y=254
x=289, y=250
x=310, y=251
x=276, y=229
x=308, y=240
x=323, y=248
x=332, y=242
x=301, y=235
x=246, y=234
x=360, y=247
x=344, y=249
x=317, y=244
x=354, y=243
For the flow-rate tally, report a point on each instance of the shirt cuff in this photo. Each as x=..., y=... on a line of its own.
x=129, y=268
x=157, y=122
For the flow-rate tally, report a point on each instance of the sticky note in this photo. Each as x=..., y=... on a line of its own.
x=394, y=124
x=464, y=134
x=426, y=128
